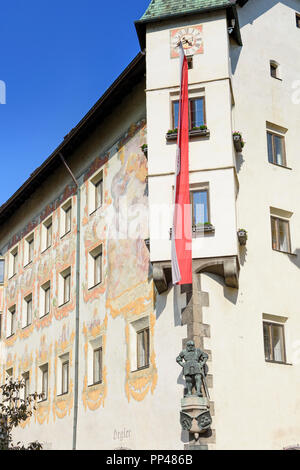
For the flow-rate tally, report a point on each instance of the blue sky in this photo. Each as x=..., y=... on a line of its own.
x=57, y=59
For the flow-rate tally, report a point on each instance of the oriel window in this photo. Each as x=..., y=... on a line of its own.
x=143, y=348
x=280, y=234
x=274, y=342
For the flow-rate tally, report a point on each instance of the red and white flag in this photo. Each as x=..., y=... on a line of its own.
x=182, y=225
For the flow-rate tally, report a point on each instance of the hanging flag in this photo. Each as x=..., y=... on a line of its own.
x=182, y=224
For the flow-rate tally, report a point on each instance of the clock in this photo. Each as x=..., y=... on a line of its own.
x=191, y=38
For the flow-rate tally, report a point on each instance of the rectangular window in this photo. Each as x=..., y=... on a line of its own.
x=65, y=377
x=45, y=292
x=274, y=342
x=273, y=70
x=95, y=267
x=66, y=218
x=196, y=112
x=13, y=262
x=47, y=234
x=67, y=287
x=44, y=372
x=2, y=271
x=276, y=149
x=280, y=234
x=97, y=365
x=298, y=20
x=143, y=348
x=26, y=385
x=47, y=300
x=28, y=305
x=199, y=207
x=30, y=250
x=12, y=323
x=98, y=193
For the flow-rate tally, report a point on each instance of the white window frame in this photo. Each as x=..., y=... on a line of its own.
x=28, y=256
x=13, y=261
x=12, y=321
x=45, y=234
x=134, y=328
x=63, y=359
x=26, y=301
x=93, y=346
x=66, y=274
x=42, y=370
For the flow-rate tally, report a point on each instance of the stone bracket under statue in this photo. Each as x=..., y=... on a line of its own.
x=195, y=415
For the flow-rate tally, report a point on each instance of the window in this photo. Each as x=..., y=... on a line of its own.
x=64, y=286
x=1, y=320
x=65, y=377
x=95, y=267
x=298, y=20
x=27, y=317
x=29, y=250
x=47, y=234
x=196, y=112
x=9, y=372
x=44, y=381
x=276, y=149
x=66, y=218
x=274, y=342
x=199, y=207
x=139, y=343
x=12, y=321
x=273, y=69
x=190, y=62
x=97, y=365
x=2, y=271
x=13, y=262
x=26, y=379
x=143, y=348
x=280, y=234
x=45, y=299
x=96, y=192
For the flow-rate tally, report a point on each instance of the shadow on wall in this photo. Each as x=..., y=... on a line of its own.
x=243, y=254
x=230, y=293
x=239, y=162
x=295, y=257
x=247, y=15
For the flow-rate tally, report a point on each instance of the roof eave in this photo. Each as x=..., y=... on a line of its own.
x=124, y=83
x=140, y=25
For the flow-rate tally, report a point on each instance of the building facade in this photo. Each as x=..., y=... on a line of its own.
x=88, y=313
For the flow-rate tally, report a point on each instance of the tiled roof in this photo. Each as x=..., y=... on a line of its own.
x=163, y=8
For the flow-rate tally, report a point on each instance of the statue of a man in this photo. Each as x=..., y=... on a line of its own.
x=193, y=361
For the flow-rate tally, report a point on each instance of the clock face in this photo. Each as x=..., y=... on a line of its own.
x=191, y=38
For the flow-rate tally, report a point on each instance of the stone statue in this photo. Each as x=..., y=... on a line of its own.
x=193, y=362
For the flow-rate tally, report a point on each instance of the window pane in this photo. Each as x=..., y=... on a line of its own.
x=65, y=377
x=47, y=300
x=267, y=342
x=68, y=220
x=98, y=194
x=274, y=234
x=30, y=251
x=26, y=388
x=278, y=144
x=1, y=271
x=67, y=282
x=283, y=235
x=45, y=384
x=270, y=147
x=199, y=208
x=13, y=322
x=97, y=268
x=278, y=343
x=143, y=348
x=29, y=312
x=97, y=365
x=197, y=112
x=175, y=114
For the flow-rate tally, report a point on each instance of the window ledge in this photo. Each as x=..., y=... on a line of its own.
x=277, y=78
x=65, y=303
x=141, y=368
x=96, y=285
x=27, y=264
x=44, y=400
x=11, y=277
x=26, y=326
x=278, y=362
x=285, y=252
x=95, y=384
x=46, y=249
x=195, y=133
x=281, y=166
x=65, y=234
x=199, y=231
x=44, y=315
x=63, y=394
x=95, y=210
x=10, y=336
